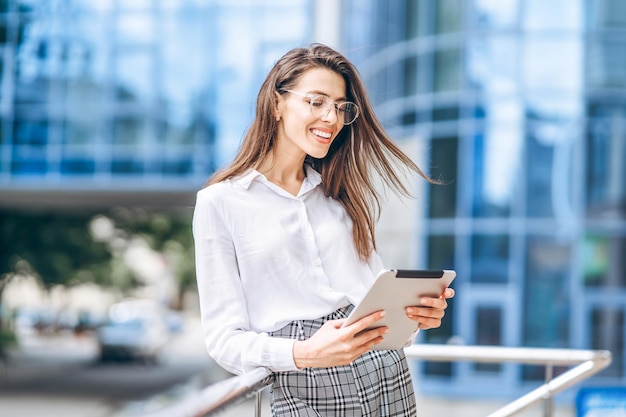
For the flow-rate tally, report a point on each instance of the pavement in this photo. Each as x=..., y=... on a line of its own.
x=16, y=405
x=57, y=376
x=186, y=348
x=58, y=352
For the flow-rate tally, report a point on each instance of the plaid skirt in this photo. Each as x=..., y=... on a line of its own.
x=377, y=383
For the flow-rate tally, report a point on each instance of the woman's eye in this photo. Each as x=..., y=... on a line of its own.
x=317, y=101
x=347, y=109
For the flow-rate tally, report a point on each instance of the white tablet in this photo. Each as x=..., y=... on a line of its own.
x=394, y=290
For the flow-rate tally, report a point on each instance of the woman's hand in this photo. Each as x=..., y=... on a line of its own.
x=333, y=345
x=430, y=311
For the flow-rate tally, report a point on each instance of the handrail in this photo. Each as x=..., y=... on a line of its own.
x=215, y=398
x=219, y=396
x=589, y=362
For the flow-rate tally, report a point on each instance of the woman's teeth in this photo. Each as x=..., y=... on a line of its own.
x=321, y=134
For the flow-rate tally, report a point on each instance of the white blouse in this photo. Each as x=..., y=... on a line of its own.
x=265, y=258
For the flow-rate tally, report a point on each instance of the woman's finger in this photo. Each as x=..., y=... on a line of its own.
x=366, y=322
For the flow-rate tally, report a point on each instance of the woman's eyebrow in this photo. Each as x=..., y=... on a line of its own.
x=322, y=93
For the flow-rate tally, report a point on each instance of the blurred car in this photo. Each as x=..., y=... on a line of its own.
x=135, y=330
x=174, y=321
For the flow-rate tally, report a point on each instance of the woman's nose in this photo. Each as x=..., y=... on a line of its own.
x=330, y=115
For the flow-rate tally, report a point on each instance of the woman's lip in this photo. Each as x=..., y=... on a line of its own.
x=323, y=141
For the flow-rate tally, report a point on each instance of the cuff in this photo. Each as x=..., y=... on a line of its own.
x=281, y=354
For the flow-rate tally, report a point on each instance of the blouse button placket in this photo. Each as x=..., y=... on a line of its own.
x=310, y=237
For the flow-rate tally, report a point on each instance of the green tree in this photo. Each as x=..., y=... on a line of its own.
x=57, y=246
x=60, y=248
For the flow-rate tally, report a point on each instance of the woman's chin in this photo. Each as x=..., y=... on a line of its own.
x=318, y=155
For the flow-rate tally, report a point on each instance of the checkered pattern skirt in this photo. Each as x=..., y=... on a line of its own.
x=377, y=383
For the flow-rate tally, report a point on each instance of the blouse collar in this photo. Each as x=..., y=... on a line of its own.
x=312, y=179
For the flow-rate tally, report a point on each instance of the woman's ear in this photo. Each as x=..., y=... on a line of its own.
x=278, y=99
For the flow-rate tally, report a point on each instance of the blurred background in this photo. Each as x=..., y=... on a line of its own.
x=113, y=113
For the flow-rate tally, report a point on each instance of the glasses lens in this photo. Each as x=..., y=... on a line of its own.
x=346, y=112
x=320, y=105
x=349, y=112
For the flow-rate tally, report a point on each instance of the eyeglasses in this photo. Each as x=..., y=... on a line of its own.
x=347, y=111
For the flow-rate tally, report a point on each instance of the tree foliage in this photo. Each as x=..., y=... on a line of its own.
x=60, y=248
x=57, y=246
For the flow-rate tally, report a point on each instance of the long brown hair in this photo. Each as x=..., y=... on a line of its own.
x=361, y=149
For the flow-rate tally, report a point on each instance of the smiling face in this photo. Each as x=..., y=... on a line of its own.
x=300, y=133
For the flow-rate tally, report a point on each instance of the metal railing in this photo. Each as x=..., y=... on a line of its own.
x=588, y=363
x=217, y=397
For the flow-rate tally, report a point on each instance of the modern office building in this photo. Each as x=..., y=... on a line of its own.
x=131, y=102
x=520, y=106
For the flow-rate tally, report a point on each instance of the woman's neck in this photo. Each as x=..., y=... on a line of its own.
x=288, y=175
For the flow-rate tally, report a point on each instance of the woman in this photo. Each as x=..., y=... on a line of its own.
x=285, y=245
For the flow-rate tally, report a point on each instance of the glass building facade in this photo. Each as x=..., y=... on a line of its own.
x=131, y=95
x=521, y=108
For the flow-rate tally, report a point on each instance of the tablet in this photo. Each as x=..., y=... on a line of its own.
x=394, y=290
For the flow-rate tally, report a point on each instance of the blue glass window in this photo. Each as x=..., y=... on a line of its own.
x=490, y=259
x=546, y=296
x=604, y=261
x=489, y=322
x=552, y=15
x=495, y=13
x=443, y=198
x=607, y=332
x=605, y=155
x=606, y=14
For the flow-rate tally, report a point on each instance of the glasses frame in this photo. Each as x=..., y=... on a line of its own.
x=334, y=104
